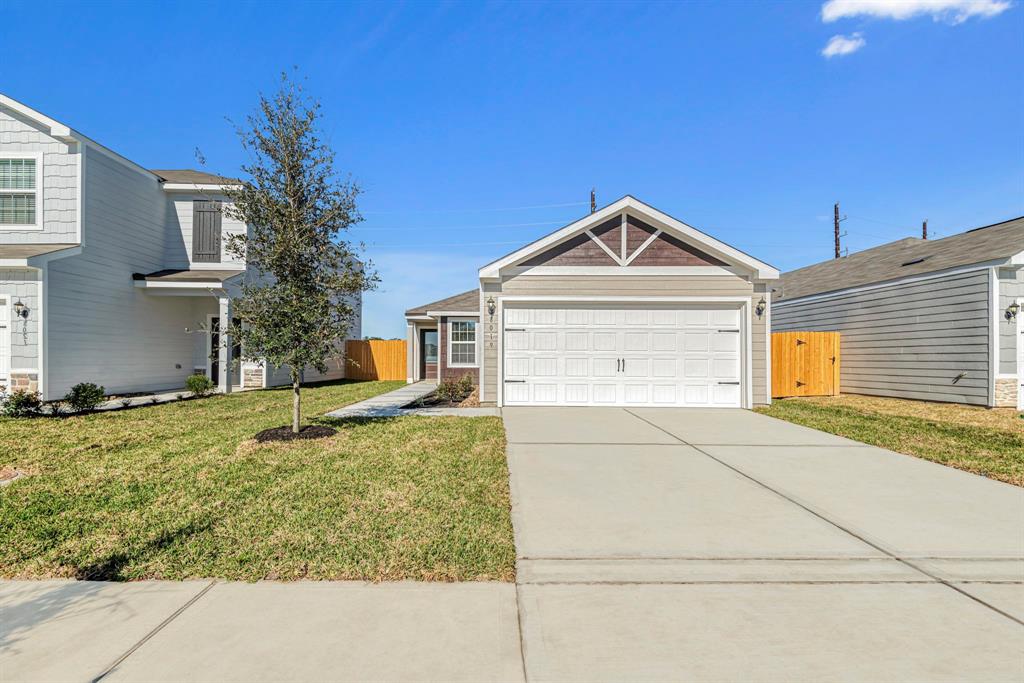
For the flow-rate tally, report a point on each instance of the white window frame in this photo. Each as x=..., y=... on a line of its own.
x=38, y=191
x=475, y=342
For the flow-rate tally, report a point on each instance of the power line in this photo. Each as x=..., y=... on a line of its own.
x=460, y=227
x=505, y=208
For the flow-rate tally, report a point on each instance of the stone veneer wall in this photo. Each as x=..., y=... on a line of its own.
x=1006, y=392
x=24, y=380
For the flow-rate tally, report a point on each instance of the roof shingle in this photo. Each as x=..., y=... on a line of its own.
x=466, y=301
x=905, y=257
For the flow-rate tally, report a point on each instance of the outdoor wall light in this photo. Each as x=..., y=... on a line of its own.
x=1011, y=310
x=20, y=309
x=760, y=308
x=490, y=305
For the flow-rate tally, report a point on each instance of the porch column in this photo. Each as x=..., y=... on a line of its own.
x=224, y=349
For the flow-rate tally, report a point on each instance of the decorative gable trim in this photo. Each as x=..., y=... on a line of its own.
x=662, y=223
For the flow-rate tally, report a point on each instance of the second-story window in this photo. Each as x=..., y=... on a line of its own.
x=19, y=192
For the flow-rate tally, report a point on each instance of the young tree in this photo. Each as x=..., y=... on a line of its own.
x=299, y=308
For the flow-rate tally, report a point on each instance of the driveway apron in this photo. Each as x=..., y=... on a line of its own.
x=682, y=544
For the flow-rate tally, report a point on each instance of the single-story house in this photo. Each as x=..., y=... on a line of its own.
x=934, y=320
x=627, y=306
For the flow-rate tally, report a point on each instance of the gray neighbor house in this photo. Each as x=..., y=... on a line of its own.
x=933, y=320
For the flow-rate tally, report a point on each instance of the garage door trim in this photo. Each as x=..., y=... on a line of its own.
x=744, y=303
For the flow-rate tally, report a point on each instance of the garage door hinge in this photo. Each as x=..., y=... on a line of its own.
x=728, y=331
x=515, y=329
x=515, y=381
x=728, y=382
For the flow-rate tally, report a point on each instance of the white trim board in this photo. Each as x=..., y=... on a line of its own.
x=993, y=334
x=648, y=214
x=630, y=271
x=626, y=299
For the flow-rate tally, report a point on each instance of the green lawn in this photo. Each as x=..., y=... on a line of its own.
x=989, y=443
x=181, y=490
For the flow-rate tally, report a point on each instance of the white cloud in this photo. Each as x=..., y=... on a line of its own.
x=840, y=45
x=953, y=11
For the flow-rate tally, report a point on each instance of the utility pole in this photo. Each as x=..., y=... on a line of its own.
x=593, y=200
x=924, y=229
x=836, y=221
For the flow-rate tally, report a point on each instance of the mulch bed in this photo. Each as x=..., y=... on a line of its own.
x=286, y=433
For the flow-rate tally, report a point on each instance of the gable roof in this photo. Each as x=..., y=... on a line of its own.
x=187, y=175
x=649, y=214
x=906, y=257
x=468, y=302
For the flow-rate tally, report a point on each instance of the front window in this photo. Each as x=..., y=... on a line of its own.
x=19, y=191
x=462, y=342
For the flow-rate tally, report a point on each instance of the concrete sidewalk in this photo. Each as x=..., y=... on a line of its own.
x=304, y=631
x=386, y=405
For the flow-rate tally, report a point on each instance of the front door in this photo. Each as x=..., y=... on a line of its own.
x=214, y=350
x=428, y=354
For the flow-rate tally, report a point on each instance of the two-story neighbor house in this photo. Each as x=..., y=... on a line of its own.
x=110, y=272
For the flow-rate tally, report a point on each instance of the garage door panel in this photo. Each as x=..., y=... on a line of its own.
x=626, y=356
x=696, y=341
x=605, y=341
x=605, y=367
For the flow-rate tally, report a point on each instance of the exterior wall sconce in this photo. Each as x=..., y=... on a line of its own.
x=1011, y=310
x=20, y=309
x=490, y=305
x=761, y=307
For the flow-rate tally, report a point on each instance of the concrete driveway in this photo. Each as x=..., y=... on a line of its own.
x=661, y=544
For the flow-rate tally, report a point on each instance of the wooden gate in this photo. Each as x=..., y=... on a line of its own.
x=375, y=359
x=805, y=364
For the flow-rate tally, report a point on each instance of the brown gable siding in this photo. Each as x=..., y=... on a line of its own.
x=577, y=251
x=664, y=251
x=610, y=233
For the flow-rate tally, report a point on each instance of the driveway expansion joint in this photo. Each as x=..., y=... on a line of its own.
x=823, y=517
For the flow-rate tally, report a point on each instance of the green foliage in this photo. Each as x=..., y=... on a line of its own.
x=84, y=396
x=21, y=403
x=455, y=390
x=199, y=385
x=302, y=305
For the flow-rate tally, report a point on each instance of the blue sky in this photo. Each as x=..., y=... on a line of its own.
x=746, y=120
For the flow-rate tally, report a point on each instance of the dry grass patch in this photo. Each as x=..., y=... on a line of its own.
x=183, y=490
x=978, y=440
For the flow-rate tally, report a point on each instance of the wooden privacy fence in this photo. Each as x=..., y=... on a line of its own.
x=375, y=359
x=805, y=364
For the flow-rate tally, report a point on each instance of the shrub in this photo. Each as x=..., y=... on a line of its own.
x=21, y=403
x=200, y=385
x=84, y=396
x=453, y=390
x=125, y=402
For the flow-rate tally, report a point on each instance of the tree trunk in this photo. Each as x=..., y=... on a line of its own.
x=296, y=403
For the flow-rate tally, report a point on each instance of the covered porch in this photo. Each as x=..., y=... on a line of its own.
x=214, y=353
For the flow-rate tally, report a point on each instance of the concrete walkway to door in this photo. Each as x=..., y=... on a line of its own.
x=682, y=544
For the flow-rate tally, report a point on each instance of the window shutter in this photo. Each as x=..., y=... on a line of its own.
x=206, y=226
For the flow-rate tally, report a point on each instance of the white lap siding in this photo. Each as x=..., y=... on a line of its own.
x=22, y=285
x=102, y=328
x=1011, y=289
x=928, y=339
